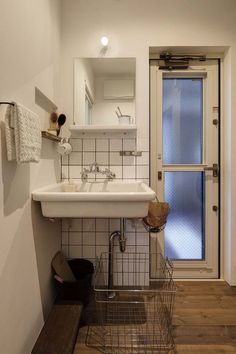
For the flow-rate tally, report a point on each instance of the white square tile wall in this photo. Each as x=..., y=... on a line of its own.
x=88, y=238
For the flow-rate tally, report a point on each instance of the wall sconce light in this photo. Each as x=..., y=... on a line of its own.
x=104, y=41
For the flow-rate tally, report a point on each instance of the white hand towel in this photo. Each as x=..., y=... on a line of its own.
x=28, y=139
x=9, y=133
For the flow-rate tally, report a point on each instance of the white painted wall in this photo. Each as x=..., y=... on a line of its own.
x=30, y=53
x=132, y=27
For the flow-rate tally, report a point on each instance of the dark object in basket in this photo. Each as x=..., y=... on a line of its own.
x=73, y=277
x=156, y=219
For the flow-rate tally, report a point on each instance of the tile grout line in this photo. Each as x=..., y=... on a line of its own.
x=68, y=233
x=109, y=154
x=95, y=153
x=95, y=236
x=136, y=170
x=122, y=158
x=68, y=169
x=82, y=237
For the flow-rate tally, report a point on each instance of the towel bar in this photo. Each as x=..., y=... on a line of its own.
x=11, y=103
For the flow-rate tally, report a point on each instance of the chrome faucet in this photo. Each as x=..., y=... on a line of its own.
x=94, y=168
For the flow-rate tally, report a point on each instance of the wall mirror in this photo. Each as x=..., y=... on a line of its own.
x=104, y=91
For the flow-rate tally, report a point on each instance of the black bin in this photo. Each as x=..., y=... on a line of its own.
x=80, y=289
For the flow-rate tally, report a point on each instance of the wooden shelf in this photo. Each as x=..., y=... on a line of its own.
x=50, y=136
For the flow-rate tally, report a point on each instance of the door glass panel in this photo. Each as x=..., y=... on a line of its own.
x=182, y=121
x=184, y=231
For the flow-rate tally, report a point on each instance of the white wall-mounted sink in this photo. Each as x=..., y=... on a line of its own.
x=123, y=199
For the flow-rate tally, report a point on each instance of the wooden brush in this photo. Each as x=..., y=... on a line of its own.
x=61, y=120
x=53, y=120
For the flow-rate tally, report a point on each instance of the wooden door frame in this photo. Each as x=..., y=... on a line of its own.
x=155, y=104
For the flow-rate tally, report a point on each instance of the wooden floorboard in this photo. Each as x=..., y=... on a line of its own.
x=204, y=349
x=204, y=320
x=205, y=334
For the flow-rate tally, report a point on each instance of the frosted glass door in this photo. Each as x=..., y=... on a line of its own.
x=182, y=144
x=184, y=148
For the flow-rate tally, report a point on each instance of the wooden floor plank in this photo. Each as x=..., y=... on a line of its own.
x=218, y=334
x=204, y=320
x=204, y=317
x=204, y=288
x=205, y=302
x=205, y=349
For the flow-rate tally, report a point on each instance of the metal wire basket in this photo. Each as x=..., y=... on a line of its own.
x=134, y=314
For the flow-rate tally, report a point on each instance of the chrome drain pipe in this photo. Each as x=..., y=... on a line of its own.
x=122, y=238
x=122, y=242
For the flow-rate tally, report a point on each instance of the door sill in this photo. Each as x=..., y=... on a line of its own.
x=193, y=279
x=198, y=279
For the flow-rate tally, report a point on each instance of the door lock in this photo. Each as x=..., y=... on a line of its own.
x=215, y=169
x=159, y=175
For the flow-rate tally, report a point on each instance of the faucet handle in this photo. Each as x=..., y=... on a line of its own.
x=110, y=175
x=84, y=174
x=94, y=167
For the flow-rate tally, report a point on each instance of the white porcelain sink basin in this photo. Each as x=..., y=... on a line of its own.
x=124, y=199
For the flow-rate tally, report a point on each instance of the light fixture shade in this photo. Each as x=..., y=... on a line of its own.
x=104, y=41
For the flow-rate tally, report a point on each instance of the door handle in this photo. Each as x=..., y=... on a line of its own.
x=215, y=169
